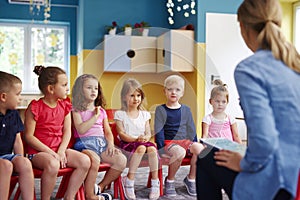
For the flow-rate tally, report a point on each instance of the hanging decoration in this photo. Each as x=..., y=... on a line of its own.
x=35, y=8
x=181, y=7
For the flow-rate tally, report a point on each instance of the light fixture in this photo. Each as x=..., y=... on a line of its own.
x=35, y=8
x=184, y=8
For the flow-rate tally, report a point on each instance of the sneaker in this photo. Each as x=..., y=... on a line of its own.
x=190, y=187
x=128, y=189
x=170, y=188
x=105, y=196
x=154, y=192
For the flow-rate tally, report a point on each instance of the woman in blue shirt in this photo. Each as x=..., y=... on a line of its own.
x=268, y=86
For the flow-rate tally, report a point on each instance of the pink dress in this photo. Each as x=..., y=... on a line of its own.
x=219, y=128
x=49, y=122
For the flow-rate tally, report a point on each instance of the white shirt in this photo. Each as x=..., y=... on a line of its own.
x=133, y=127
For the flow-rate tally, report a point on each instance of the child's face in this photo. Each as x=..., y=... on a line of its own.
x=90, y=89
x=173, y=92
x=61, y=87
x=13, y=98
x=133, y=98
x=219, y=103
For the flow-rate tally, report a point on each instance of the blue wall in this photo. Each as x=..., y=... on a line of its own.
x=61, y=11
x=87, y=22
x=98, y=13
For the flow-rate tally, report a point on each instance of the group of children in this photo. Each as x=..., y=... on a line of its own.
x=51, y=121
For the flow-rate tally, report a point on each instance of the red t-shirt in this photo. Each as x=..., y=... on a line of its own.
x=49, y=122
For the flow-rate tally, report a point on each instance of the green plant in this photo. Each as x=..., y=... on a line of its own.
x=126, y=25
x=112, y=26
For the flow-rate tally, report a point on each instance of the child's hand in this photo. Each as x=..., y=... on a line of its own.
x=62, y=159
x=142, y=138
x=111, y=150
x=97, y=112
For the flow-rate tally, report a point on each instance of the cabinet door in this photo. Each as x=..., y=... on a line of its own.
x=144, y=59
x=116, y=48
x=175, y=51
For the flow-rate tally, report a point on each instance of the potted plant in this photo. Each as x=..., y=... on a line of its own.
x=142, y=28
x=112, y=29
x=127, y=28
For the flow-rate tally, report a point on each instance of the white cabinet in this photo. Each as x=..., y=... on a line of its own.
x=175, y=51
x=129, y=53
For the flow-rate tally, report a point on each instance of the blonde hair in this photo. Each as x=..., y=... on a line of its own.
x=264, y=16
x=174, y=79
x=78, y=99
x=219, y=89
x=128, y=85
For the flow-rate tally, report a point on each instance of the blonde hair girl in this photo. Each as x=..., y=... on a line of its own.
x=219, y=123
x=133, y=126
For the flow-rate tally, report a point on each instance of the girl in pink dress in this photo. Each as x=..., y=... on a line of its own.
x=93, y=135
x=218, y=123
x=48, y=132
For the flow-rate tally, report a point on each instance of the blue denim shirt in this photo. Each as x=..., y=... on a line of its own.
x=270, y=98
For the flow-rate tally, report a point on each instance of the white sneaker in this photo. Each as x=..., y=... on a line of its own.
x=128, y=189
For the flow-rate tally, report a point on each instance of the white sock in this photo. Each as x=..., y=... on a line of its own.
x=190, y=180
x=129, y=182
x=154, y=182
x=170, y=181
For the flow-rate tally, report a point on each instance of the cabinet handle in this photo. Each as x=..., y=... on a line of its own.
x=163, y=52
x=130, y=53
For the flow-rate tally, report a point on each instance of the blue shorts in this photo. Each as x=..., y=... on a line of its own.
x=94, y=143
x=9, y=157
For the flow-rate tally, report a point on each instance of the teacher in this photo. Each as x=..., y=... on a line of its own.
x=268, y=86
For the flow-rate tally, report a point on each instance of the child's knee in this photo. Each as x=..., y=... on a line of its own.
x=6, y=165
x=141, y=149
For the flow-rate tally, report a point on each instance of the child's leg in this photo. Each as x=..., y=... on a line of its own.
x=118, y=163
x=50, y=167
x=177, y=154
x=26, y=179
x=195, y=149
x=6, y=169
x=81, y=164
x=90, y=179
x=135, y=161
x=153, y=161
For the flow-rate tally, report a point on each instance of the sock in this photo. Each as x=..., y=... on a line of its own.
x=129, y=182
x=170, y=181
x=154, y=182
x=190, y=180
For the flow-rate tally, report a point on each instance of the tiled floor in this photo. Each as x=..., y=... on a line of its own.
x=141, y=190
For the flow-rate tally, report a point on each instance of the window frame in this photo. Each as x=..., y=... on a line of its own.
x=28, y=67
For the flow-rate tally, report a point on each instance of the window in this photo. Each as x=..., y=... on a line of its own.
x=22, y=46
x=297, y=26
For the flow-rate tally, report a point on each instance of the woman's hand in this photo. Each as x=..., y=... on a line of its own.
x=229, y=159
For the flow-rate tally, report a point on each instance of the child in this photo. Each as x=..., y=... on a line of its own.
x=93, y=134
x=10, y=139
x=176, y=134
x=48, y=132
x=133, y=127
x=218, y=123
